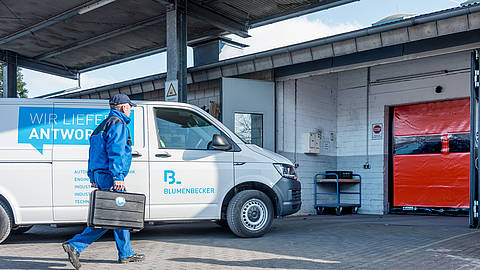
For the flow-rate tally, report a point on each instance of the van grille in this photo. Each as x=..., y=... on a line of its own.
x=296, y=195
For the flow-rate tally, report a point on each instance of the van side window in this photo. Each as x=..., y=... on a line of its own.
x=183, y=129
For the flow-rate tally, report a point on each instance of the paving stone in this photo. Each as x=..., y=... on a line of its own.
x=298, y=242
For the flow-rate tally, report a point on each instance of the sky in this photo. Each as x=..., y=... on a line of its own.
x=316, y=25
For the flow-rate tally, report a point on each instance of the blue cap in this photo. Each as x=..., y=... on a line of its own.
x=121, y=99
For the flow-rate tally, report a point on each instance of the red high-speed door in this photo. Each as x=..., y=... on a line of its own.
x=431, y=154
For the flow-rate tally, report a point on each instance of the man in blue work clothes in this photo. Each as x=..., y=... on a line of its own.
x=110, y=157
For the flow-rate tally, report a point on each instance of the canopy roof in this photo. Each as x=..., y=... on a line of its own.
x=67, y=37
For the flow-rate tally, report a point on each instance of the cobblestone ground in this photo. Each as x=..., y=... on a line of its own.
x=311, y=242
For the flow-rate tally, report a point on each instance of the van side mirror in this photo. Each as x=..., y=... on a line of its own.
x=220, y=143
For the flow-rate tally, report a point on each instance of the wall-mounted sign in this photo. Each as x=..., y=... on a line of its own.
x=171, y=91
x=377, y=131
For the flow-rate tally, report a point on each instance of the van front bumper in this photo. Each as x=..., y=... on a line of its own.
x=289, y=194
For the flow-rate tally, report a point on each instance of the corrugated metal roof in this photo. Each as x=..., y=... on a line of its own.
x=251, y=11
x=55, y=32
x=442, y=17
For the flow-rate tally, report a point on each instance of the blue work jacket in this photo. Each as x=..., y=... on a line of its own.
x=110, y=154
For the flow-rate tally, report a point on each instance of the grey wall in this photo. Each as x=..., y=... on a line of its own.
x=338, y=102
x=406, y=82
x=315, y=110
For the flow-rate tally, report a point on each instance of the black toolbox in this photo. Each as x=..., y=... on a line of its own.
x=341, y=174
x=116, y=210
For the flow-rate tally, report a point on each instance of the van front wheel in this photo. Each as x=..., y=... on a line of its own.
x=6, y=221
x=250, y=214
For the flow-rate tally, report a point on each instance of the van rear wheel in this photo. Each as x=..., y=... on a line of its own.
x=250, y=214
x=6, y=221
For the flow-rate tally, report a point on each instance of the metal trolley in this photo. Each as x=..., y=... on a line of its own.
x=338, y=206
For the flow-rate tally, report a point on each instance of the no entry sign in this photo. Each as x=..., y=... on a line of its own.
x=377, y=131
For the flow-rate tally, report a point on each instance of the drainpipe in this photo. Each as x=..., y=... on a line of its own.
x=367, y=163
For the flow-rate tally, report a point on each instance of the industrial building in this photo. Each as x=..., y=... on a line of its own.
x=386, y=102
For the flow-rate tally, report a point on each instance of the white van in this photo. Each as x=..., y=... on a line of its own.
x=187, y=163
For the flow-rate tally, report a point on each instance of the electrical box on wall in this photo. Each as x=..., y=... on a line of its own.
x=311, y=142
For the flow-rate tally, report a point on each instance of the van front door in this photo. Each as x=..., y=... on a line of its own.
x=188, y=178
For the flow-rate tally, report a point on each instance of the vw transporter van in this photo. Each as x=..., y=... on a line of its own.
x=187, y=163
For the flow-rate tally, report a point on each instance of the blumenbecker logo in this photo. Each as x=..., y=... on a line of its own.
x=169, y=177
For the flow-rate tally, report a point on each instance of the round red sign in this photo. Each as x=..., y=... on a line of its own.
x=377, y=129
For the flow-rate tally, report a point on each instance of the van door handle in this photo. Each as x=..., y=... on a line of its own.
x=136, y=154
x=163, y=154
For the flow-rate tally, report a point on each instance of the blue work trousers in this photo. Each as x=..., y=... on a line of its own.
x=122, y=236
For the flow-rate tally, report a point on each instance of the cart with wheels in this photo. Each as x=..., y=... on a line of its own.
x=321, y=178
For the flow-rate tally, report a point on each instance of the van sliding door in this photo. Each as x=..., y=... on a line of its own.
x=73, y=125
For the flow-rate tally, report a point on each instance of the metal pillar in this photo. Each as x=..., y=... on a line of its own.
x=474, y=126
x=177, y=50
x=10, y=76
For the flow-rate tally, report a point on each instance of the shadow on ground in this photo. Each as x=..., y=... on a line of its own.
x=261, y=263
x=354, y=241
x=17, y=262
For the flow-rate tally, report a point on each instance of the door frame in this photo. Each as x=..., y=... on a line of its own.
x=474, y=125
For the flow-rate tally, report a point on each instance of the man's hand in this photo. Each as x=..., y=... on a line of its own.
x=118, y=185
x=94, y=185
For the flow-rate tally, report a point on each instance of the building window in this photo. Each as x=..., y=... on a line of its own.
x=249, y=127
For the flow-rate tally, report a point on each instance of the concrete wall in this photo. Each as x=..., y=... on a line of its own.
x=315, y=110
x=400, y=83
x=202, y=93
x=338, y=103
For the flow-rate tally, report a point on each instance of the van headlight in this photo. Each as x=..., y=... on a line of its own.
x=286, y=170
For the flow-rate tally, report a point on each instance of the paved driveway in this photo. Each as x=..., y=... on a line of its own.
x=311, y=242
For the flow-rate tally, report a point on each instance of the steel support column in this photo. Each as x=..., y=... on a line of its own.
x=10, y=76
x=474, y=125
x=177, y=47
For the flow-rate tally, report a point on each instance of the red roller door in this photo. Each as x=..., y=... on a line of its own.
x=431, y=154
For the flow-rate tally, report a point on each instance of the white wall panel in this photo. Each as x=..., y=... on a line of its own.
x=315, y=110
x=339, y=102
x=406, y=82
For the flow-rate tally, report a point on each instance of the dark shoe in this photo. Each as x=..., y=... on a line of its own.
x=133, y=258
x=73, y=255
